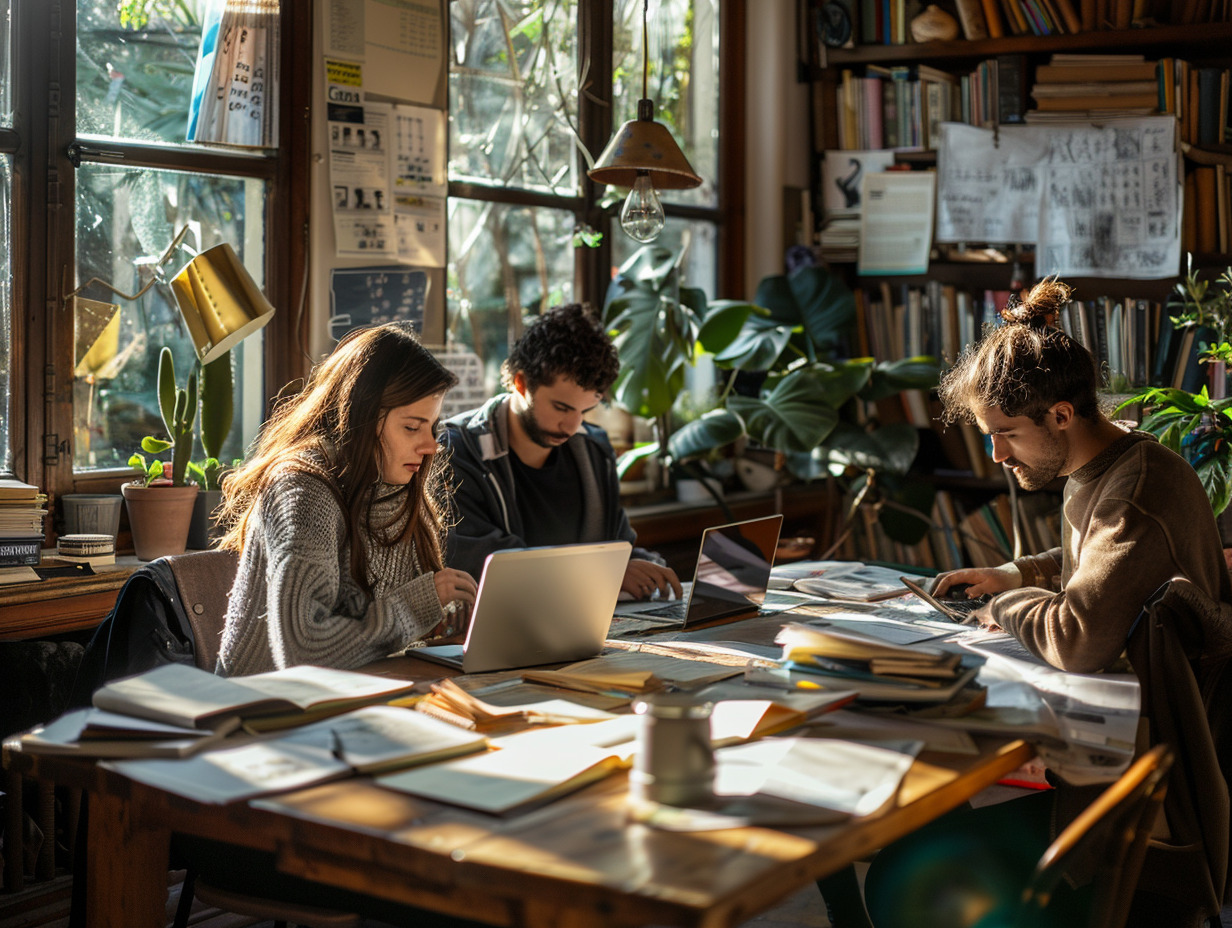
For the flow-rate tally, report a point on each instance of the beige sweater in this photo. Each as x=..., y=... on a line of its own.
x=1132, y=519
x=294, y=600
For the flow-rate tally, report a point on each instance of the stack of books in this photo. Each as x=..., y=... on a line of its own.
x=21, y=523
x=832, y=658
x=1095, y=85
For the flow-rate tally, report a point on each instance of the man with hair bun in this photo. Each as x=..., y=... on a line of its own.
x=1134, y=514
x=528, y=470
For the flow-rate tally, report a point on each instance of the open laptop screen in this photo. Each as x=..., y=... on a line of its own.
x=733, y=569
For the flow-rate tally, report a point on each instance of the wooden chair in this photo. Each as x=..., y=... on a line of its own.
x=952, y=878
x=1108, y=837
x=204, y=579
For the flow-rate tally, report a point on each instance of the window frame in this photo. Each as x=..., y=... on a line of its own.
x=592, y=266
x=43, y=228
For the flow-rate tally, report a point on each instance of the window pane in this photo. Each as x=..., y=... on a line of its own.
x=698, y=240
x=125, y=221
x=505, y=262
x=513, y=93
x=6, y=56
x=134, y=81
x=6, y=312
x=684, y=80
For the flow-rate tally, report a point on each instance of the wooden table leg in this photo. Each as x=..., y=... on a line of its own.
x=45, y=866
x=126, y=874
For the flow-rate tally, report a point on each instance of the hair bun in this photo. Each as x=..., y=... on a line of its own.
x=1042, y=305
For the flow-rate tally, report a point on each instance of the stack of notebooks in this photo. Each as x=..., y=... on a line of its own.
x=21, y=530
x=830, y=658
x=1095, y=85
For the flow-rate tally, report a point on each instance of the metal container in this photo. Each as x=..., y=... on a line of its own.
x=675, y=762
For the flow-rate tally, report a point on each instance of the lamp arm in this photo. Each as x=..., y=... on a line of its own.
x=166, y=255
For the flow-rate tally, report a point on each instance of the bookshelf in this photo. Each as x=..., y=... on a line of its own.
x=825, y=69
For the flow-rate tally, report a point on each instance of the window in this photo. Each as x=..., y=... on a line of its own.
x=533, y=86
x=101, y=92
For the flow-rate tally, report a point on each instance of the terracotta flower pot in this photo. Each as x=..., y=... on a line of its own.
x=159, y=518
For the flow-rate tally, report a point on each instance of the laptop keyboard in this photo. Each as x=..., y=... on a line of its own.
x=674, y=610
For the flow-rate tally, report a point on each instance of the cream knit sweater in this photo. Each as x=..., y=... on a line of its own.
x=294, y=600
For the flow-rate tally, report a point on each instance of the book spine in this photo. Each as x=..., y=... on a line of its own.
x=992, y=19
x=1011, y=89
x=20, y=552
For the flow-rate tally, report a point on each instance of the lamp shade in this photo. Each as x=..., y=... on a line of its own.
x=220, y=302
x=643, y=145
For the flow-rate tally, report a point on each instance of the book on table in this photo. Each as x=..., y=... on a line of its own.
x=510, y=780
x=371, y=739
x=180, y=694
x=450, y=703
x=632, y=672
x=101, y=734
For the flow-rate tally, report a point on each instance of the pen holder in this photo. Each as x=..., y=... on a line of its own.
x=675, y=762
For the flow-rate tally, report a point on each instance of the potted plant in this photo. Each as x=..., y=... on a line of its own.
x=1194, y=425
x=160, y=504
x=784, y=395
x=217, y=412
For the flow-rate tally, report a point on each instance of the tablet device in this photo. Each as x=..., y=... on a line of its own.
x=956, y=610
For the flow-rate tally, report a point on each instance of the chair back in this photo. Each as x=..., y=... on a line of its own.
x=204, y=579
x=1107, y=840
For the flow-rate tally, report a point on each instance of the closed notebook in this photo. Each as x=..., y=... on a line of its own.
x=101, y=734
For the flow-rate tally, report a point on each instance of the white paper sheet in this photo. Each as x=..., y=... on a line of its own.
x=896, y=222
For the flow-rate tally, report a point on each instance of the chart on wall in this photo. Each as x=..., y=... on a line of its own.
x=1097, y=200
x=362, y=296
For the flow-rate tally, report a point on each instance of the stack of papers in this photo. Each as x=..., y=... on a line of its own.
x=631, y=673
x=450, y=703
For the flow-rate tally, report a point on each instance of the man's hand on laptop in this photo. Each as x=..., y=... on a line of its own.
x=980, y=581
x=644, y=578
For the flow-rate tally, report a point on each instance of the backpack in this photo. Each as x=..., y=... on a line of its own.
x=147, y=627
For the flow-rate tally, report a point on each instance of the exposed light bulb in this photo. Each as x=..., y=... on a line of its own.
x=642, y=215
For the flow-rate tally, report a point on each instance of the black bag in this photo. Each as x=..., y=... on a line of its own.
x=147, y=627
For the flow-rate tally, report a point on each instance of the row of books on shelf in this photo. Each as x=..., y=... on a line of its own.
x=886, y=22
x=1134, y=340
x=1206, y=224
x=961, y=534
x=901, y=107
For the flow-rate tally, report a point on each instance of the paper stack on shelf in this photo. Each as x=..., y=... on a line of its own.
x=1095, y=85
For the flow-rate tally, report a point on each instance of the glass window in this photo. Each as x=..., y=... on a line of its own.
x=683, y=83
x=135, y=62
x=697, y=239
x=513, y=88
x=125, y=221
x=505, y=262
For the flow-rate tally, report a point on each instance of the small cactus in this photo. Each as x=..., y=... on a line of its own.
x=179, y=412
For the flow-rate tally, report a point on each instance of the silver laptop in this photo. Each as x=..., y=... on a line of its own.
x=732, y=576
x=539, y=606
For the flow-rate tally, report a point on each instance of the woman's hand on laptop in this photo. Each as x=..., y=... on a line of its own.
x=456, y=590
x=644, y=578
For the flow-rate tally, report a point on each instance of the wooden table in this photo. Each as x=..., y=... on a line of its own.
x=578, y=861
x=61, y=604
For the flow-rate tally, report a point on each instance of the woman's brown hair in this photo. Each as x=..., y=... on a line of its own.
x=330, y=429
x=1025, y=366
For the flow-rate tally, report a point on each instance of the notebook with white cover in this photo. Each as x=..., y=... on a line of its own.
x=539, y=606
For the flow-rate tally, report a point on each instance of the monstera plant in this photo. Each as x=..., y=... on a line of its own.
x=784, y=389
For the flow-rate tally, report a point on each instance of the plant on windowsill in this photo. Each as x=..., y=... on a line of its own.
x=1194, y=425
x=160, y=503
x=217, y=413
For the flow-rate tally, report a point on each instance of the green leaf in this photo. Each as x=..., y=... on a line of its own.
x=757, y=346
x=891, y=448
x=152, y=445
x=633, y=455
x=715, y=429
x=811, y=297
x=723, y=321
x=890, y=377
x=1215, y=472
x=908, y=528
x=794, y=416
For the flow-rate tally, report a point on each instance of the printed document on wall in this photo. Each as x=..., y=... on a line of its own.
x=988, y=187
x=419, y=229
x=419, y=150
x=404, y=48
x=359, y=143
x=896, y=224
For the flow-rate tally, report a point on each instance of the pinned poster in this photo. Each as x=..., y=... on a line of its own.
x=896, y=222
x=359, y=161
x=363, y=296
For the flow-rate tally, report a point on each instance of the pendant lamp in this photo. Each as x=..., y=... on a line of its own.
x=644, y=157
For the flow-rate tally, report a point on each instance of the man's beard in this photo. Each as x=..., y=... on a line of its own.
x=535, y=432
x=1038, y=476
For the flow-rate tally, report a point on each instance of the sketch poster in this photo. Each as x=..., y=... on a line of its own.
x=989, y=188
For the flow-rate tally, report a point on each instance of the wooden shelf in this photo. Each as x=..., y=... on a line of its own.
x=1197, y=40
